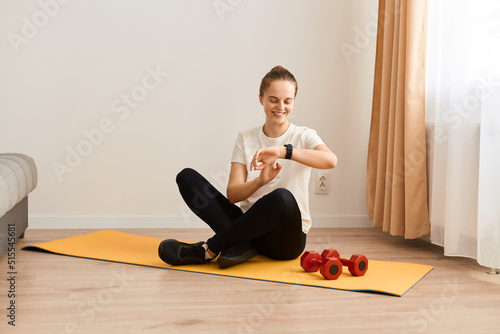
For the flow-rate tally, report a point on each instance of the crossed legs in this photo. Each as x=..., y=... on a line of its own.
x=273, y=225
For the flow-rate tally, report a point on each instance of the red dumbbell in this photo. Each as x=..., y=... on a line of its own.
x=330, y=268
x=357, y=264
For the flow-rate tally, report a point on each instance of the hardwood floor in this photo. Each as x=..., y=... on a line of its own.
x=59, y=294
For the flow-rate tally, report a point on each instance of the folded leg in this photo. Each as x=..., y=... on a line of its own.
x=273, y=225
x=206, y=201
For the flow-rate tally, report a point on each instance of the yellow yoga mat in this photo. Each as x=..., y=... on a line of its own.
x=393, y=278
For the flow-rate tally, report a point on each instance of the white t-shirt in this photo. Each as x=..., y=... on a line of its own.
x=293, y=176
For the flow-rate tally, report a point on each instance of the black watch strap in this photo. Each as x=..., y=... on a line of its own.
x=289, y=150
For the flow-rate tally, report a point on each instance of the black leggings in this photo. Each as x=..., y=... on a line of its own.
x=273, y=224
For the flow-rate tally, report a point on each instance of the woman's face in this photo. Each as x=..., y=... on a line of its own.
x=278, y=102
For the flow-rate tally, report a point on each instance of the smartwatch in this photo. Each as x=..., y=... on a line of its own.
x=289, y=150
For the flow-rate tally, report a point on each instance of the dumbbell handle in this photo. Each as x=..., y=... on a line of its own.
x=335, y=254
x=317, y=262
x=344, y=261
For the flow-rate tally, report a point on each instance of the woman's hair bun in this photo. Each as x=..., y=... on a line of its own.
x=277, y=73
x=278, y=68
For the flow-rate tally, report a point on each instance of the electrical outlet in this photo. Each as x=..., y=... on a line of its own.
x=322, y=183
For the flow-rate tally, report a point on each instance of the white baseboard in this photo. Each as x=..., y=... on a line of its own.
x=110, y=222
x=341, y=221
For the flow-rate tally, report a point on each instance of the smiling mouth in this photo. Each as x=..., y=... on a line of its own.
x=279, y=113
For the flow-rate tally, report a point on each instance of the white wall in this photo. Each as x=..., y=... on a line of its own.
x=67, y=66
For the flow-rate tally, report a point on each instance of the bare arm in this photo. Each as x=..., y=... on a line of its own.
x=238, y=189
x=320, y=157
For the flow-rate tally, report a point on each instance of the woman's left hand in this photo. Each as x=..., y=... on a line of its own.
x=266, y=157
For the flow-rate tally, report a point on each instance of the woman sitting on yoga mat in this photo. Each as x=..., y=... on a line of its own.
x=274, y=216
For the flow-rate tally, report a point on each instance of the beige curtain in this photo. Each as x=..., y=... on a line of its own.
x=397, y=177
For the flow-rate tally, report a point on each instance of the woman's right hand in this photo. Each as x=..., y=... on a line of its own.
x=239, y=189
x=268, y=173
